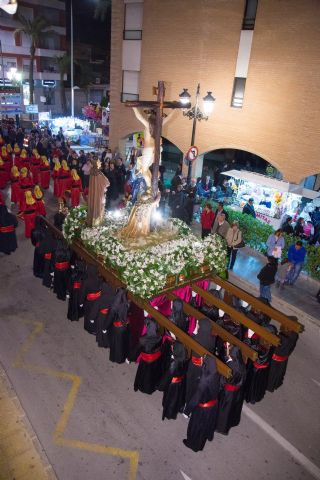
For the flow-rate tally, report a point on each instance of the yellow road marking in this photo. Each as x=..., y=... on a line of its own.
x=58, y=434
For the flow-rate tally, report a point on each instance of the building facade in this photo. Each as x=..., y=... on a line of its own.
x=15, y=51
x=259, y=58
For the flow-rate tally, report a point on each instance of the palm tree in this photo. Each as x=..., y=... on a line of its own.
x=33, y=29
x=84, y=78
x=101, y=9
x=63, y=63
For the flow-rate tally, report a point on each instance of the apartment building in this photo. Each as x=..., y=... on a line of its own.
x=15, y=51
x=260, y=59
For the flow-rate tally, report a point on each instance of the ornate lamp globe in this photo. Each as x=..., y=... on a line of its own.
x=184, y=97
x=208, y=103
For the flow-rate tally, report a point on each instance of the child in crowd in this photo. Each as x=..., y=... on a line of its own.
x=282, y=272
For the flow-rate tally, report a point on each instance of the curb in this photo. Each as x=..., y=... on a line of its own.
x=30, y=433
x=308, y=282
x=277, y=302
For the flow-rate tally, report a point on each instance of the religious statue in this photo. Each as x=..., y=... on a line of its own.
x=147, y=158
x=144, y=204
x=98, y=185
x=140, y=217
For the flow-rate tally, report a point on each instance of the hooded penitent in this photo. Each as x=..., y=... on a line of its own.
x=203, y=407
x=16, y=149
x=8, y=223
x=173, y=383
x=149, y=371
x=24, y=172
x=57, y=164
x=74, y=174
x=119, y=336
x=64, y=165
x=15, y=171
x=178, y=317
x=38, y=192
x=29, y=198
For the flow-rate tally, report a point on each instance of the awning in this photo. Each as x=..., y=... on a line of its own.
x=270, y=182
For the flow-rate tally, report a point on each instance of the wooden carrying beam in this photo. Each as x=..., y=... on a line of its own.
x=217, y=329
x=238, y=316
x=110, y=277
x=184, y=338
x=260, y=306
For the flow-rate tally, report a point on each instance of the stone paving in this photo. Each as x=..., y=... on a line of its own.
x=21, y=454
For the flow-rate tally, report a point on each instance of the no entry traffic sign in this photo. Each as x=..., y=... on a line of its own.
x=192, y=153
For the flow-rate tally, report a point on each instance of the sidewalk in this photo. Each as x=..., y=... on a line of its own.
x=298, y=300
x=300, y=297
x=21, y=455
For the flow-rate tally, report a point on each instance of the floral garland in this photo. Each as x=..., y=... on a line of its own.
x=74, y=223
x=215, y=252
x=145, y=271
x=182, y=227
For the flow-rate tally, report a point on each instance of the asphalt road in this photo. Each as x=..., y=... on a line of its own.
x=92, y=425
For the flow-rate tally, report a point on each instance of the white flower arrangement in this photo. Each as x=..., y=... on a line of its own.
x=145, y=270
x=215, y=252
x=74, y=223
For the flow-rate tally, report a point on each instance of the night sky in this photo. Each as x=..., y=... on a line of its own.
x=86, y=28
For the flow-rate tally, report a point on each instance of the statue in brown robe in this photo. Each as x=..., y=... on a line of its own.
x=98, y=185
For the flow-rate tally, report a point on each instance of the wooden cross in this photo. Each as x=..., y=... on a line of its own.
x=157, y=106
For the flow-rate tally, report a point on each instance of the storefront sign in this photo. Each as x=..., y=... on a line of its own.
x=263, y=218
x=44, y=116
x=48, y=83
x=10, y=101
x=32, y=108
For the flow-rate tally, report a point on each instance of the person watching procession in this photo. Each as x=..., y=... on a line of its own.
x=207, y=219
x=275, y=244
x=221, y=226
x=248, y=209
x=296, y=256
x=234, y=242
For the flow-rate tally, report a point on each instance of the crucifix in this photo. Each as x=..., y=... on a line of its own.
x=153, y=122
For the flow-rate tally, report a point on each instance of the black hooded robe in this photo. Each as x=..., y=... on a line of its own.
x=173, y=384
x=38, y=233
x=203, y=406
x=61, y=269
x=149, y=370
x=208, y=341
x=117, y=322
x=181, y=321
x=8, y=225
x=257, y=377
x=46, y=249
x=90, y=293
x=74, y=290
x=279, y=360
x=232, y=394
x=100, y=314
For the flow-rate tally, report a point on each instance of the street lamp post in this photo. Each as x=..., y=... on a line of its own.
x=71, y=58
x=196, y=115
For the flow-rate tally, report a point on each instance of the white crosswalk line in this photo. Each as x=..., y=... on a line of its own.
x=185, y=476
x=313, y=469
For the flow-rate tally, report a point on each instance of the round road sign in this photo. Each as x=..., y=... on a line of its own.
x=192, y=153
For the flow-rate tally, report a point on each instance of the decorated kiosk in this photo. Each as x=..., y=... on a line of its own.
x=273, y=199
